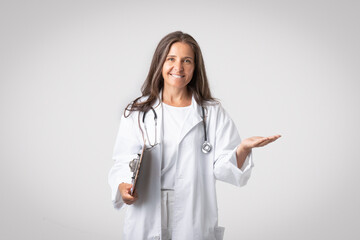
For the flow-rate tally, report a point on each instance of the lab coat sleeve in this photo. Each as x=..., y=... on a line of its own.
x=226, y=142
x=127, y=145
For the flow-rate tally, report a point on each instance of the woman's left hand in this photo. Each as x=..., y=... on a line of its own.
x=253, y=142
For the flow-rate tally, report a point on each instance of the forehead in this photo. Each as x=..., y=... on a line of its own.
x=181, y=49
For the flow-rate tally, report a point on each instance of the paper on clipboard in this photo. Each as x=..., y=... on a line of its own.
x=136, y=171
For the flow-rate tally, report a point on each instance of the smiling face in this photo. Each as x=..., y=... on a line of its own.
x=179, y=66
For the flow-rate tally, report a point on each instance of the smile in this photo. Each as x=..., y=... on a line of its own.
x=177, y=76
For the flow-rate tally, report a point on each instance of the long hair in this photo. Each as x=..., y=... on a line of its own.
x=154, y=82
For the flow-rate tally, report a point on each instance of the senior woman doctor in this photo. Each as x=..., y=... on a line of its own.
x=176, y=196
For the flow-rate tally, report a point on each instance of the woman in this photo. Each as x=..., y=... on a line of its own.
x=190, y=141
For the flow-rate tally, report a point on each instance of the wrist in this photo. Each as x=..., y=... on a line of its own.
x=243, y=149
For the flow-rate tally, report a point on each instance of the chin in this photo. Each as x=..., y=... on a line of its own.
x=178, y=84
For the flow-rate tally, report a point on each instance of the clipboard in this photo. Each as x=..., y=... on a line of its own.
x=136, y=172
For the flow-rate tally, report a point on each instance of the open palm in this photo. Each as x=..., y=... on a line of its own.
x=254, y=142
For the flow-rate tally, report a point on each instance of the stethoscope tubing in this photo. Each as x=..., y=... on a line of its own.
x=204, y=123
x=206, y=146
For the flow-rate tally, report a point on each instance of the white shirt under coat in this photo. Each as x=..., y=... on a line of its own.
x=173, y=121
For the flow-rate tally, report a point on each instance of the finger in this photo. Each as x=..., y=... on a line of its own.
x=128, y=191
x=263, y=141
x=264, y=144
x=129, y=199
x=260, y=141
x=267, y=142
x=127, y=194
x=136, y=195
x=272, y=138
x=133, y=199
x=275, y=136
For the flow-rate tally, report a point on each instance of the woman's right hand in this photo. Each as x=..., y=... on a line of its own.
x=125, y=190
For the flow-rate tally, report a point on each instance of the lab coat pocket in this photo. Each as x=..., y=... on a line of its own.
x=219, y=233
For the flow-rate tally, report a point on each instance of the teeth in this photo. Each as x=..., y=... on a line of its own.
x=176, y=76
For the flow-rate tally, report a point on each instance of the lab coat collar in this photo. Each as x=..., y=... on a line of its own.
x=193, y=117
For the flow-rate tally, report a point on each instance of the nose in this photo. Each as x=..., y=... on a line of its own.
x=178, y=66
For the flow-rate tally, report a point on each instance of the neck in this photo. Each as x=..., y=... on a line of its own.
x=176, y=97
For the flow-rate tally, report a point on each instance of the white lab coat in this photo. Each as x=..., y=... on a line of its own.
x=195, y=206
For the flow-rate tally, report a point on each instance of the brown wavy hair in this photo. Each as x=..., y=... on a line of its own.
x=154, y=82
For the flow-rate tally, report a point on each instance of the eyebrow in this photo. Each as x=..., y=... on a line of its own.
x=176, y=56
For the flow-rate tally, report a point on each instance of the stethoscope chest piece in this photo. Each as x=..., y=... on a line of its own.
x=206, y=147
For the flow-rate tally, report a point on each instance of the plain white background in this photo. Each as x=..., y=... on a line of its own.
x=68, y=68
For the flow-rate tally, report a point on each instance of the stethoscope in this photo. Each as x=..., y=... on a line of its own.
x=206, y=146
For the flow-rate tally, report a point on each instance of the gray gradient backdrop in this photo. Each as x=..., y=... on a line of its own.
x=68, y=68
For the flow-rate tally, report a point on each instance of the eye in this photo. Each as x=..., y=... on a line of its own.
x=187, y=61
x=171, y=59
